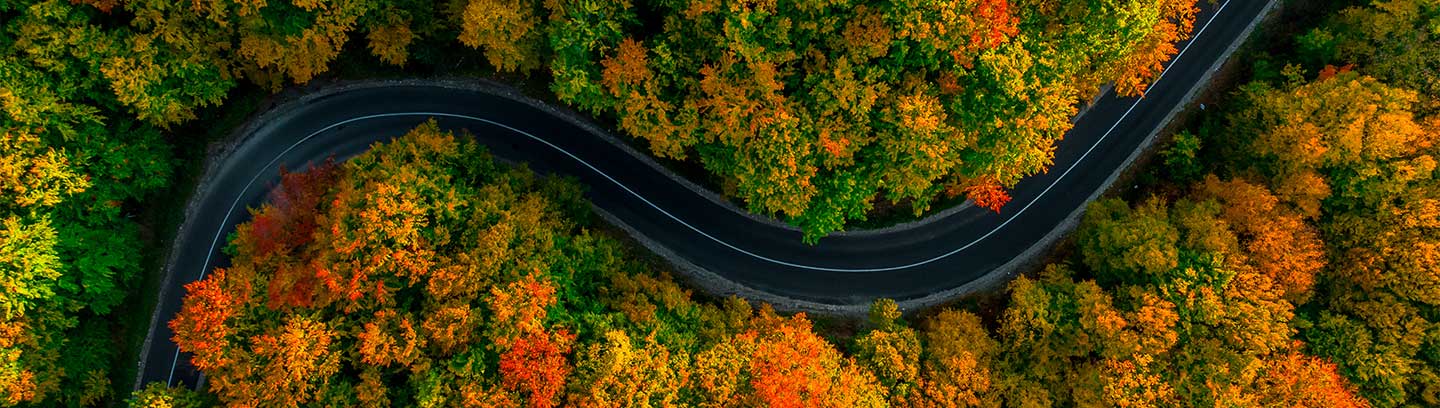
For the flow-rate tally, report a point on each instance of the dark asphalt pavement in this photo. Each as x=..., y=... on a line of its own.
x=830, y=271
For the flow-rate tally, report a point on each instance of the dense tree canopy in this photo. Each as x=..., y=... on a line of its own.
x=421, y=273
x=810, y=111
x=1389, y=39
x=1291, y=262
x=1349, y=151
x=1353, y=153
x=86, y=89
x=814, y=110
x=71, y=168
x=89, y=89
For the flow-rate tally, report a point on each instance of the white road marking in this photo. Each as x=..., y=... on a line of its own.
x=175, y=362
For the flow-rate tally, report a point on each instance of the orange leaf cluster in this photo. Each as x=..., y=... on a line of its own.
x=536, y=365
x=987, y=194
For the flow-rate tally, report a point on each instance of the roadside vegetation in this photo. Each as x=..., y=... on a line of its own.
x=422, y=273
x=1282, y=253
x=100, y=100
x=812, y=111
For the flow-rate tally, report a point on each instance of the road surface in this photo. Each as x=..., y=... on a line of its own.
x=703, y=235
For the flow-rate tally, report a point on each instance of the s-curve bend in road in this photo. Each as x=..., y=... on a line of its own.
x=719, y=246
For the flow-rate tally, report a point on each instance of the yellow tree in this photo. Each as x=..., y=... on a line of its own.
x=294, y=363
x=511, y=32
x=958, y=367
x=621, y=372
x=32, y=174
x=891, y=351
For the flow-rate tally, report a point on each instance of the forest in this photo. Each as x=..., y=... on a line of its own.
x=1282, y=250
x=103, y=101
x=444, y=279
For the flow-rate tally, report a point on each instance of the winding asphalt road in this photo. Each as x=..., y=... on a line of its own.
x=692, y=228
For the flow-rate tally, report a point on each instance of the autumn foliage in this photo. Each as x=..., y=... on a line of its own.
x=423, y=273
x=74, y=165
x=1353, y=156
x=434, y=277
x=439, y=277
x=787, y=365
x=812, y=112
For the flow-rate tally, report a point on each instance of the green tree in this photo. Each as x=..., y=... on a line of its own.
x=891, y=351
x=1129, y=246
x=511, y=32
x=1387, y=39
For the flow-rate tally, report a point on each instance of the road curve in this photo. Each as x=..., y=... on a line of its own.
x=722, y=248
